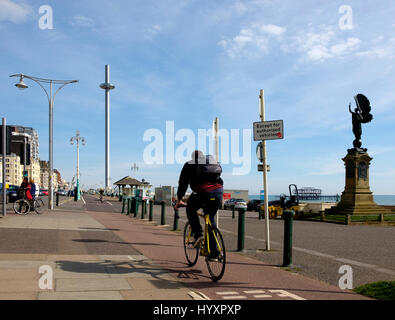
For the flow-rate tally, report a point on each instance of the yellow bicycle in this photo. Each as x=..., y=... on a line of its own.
x=212, y=248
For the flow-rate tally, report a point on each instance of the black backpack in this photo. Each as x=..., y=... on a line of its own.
x=210, y=171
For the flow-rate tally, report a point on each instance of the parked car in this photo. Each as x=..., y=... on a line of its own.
x=62, y=192
x=43, y=192
x=254, y=205
x=13, y=193
x=231, y=203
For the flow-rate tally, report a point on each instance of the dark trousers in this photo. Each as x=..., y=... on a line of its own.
x=209, y=202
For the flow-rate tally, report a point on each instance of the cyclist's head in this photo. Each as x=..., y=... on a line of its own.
x=31, y=180
x=25, y=179
x=198, y=157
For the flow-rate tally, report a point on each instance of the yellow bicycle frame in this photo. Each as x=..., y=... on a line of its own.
x=205, y=250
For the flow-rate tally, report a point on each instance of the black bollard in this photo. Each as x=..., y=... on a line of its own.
x=151, y=210
x=143, y=209
x=176, y=218
x=57, y=199
x=163, y=213
x=241, y=229
x=288, y=233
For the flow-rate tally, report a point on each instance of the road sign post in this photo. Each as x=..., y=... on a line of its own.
x=266, y=130
x=4, y=152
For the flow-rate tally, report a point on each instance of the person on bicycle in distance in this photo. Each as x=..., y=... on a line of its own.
x=25, y=188
x=203, y=175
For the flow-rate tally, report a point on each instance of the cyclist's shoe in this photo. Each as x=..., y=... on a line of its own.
x=198, y=242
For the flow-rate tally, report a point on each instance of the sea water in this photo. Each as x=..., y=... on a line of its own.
x=385, y=200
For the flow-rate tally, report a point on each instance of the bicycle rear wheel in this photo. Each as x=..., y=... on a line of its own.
x=21, y=206
x=191, y=254
x=216, y=264
x=38, y=206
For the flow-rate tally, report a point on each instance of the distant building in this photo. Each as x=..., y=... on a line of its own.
x=44, y=174
x=34, y=171
x=233, y=193
x=14, y=170
x=32, y=135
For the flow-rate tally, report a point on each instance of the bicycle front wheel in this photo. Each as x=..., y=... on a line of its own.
x=216, y=260
x=191, y=253
x=21, y=206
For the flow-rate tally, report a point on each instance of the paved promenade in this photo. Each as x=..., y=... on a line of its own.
x=97, y=253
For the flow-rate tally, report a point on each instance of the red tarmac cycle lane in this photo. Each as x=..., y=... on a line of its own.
x=244, y=278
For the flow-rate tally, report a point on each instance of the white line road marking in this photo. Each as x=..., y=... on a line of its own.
x=83, y=200
x=262, y=296
x=234, y=297
x=254, y=292
x=284, y=294
x=109, y=203
x=198, y=295
x=226, y=293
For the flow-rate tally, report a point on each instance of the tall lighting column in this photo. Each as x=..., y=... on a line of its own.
x=77, y=139
x=51, y=97
x=107, y=86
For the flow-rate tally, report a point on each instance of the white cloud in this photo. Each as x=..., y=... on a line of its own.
x=14, y=12
x=320, y=46
x=153, y=31
x=251, y=41
x=82, y=21
x=386, y=50
x=273, y=29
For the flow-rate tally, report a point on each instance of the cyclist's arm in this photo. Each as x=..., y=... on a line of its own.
x=183, y=182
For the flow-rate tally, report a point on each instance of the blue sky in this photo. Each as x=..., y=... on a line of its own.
x=191, y=61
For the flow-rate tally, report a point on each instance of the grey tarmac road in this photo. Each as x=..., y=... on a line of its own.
x=320, y=249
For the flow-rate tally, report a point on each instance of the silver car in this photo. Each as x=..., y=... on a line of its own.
x=235, y=203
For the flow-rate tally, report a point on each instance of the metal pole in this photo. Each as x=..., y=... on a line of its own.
x=216, y=129
x=78, y=167
x=3, y=167
x=50, y=173
x=266, y=200
x=24, y=154
x=107, y=97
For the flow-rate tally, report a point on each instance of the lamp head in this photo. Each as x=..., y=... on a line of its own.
x=21, y=85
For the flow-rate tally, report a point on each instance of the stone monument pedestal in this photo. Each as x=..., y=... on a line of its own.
x=357, y=199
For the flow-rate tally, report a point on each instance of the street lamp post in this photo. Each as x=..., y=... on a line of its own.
x=134, y=168
x=108, y=87
x=51, y=97
x=77, y=138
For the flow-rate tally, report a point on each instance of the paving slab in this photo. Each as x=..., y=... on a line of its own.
x=82, y=295
x=161, y=294
x=19, y=285
x=19, y=296
x=76, y=285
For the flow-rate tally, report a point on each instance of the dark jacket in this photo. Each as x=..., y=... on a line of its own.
x=191, y=175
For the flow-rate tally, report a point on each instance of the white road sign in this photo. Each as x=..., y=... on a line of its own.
x=268, y=130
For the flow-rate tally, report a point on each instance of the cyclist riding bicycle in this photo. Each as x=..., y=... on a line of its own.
x=203, y=175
